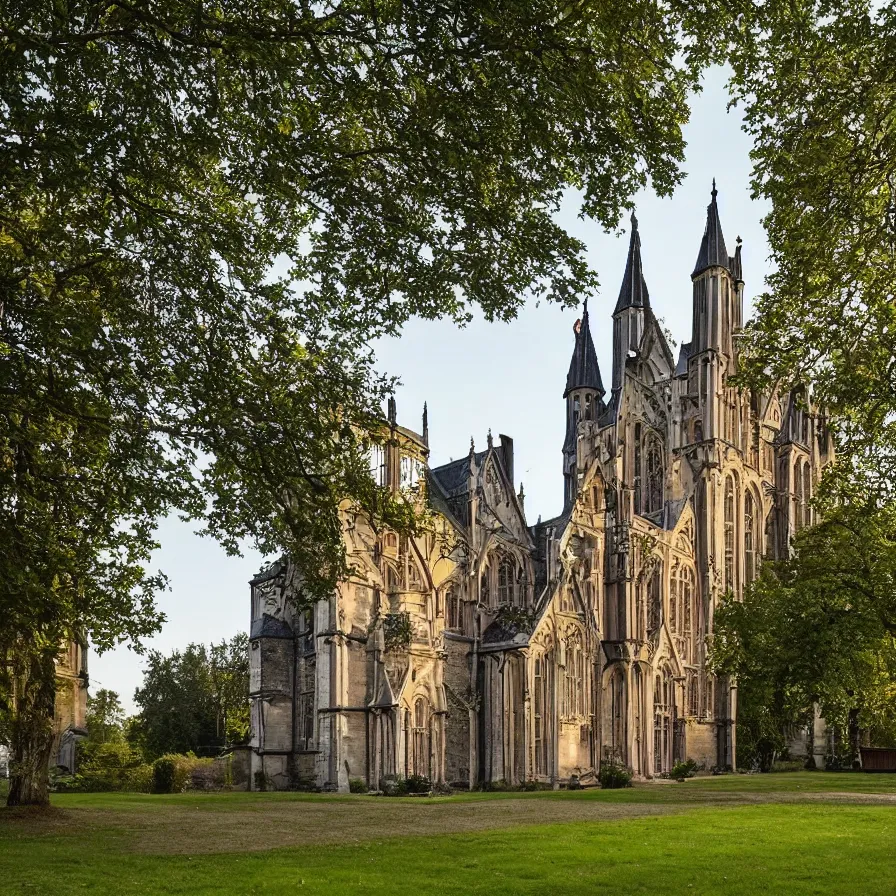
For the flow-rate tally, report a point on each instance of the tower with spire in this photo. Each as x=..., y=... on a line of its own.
x=584, y=398
x=717, y=315
x=631, y=308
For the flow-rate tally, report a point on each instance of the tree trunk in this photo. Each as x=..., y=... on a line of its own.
x=34, y=705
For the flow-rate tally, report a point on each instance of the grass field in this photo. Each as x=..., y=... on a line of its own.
x=805, y=833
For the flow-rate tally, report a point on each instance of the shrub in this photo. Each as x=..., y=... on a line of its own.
x=163, y=772
x=108, y=767
x=614, y=775
x=357, y=785
x=418, y=784
x=790, y=765
x=682, y=770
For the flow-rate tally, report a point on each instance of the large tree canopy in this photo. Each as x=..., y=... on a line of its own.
x=818, y=84
x=207, y=210
x=818, y=628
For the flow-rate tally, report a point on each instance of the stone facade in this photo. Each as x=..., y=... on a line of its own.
x=486, y=649
x=70, y=720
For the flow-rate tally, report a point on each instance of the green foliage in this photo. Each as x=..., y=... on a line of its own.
x=816, y=628
x=195, y=700
x=417, y=784
x=357, y=785
x=614, y=775
x=163, y=771
x=109, y=766
x=682, y=770
x=105, y=717
x=397, y=631
x=226, y=204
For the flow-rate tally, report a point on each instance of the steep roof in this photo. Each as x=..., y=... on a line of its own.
x=633, y=293
x=712, y=248
x=584, y=371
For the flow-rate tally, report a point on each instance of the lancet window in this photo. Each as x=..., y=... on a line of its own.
x=506, y=581
x=751, y=552
x=730, y=509
x=454, y=609
x=654, y=475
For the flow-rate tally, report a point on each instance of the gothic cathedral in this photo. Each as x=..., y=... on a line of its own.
x=488, y=650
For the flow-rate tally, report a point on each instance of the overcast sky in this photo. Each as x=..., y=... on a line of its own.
x=507, y=377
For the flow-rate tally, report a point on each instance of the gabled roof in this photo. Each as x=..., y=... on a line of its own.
x=584, y=371
x=712, y=249
x=633, y=293
x=684, y=355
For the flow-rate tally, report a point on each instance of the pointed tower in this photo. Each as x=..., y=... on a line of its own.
x=717, y=314
x=631, y=306
x=584, y=398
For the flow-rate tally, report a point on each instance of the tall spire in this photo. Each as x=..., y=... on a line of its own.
x=633, y=293
x=584, y=371
x=712, y=249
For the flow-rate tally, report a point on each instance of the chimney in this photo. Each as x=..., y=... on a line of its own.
x=507, y=455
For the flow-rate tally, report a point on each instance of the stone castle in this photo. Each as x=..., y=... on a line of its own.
x=489, y=650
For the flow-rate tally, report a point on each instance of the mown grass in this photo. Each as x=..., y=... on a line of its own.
x=97, y=843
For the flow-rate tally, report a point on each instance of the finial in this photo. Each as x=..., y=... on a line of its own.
x=472, y=446
x=490, y=445
x=738, y=241
x=585, y=308
x=425, y=424
x=715, y=192
x=393, y=416
x=634, y=220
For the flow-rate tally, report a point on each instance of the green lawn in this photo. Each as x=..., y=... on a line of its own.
x=775, y=834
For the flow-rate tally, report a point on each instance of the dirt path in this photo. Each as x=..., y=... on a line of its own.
x=193, y=829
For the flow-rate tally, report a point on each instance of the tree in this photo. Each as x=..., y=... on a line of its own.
x=817, y=628
x=817, y=83
x=105, y=717
x=195, y=700
x=207, y=213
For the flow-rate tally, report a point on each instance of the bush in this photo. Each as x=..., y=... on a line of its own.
x=790, y=765
x=682, y=770
x=357, y=785
x=614, y=775
x=418, y=784
x=163, y=772
x=109, y=767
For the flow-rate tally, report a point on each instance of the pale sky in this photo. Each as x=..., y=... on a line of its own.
x=507, y=377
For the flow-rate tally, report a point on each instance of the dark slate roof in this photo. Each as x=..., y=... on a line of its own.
x=438, y=501
x=712, y=249
x=584, y=371
x=453, y=477
x=633, y=293
x=684, y=354
x=270, y=627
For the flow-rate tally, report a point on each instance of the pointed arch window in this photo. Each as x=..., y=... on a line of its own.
x=637, y=470
x=730, y=509
x=506, y=577
x=654, y=601
x=654, y=475
x=806, y=496
x=751, y=552
x=454, y=609
x=798, y=489
x=420, y=739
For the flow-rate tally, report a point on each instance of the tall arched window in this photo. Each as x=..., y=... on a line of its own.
x=806, y=496
x=506, y=576
x=574, y=681
x=751, y=554
x=521, y=586
x=541, y=704
x=654, y=601
x=654, y=475
x=639, y=629
x=484, y=590
x=689, y=612
x=798, y=489
x=663, y=713
x=420, y=739
x=637, y=471
x=454, y=609
x=730, y=510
